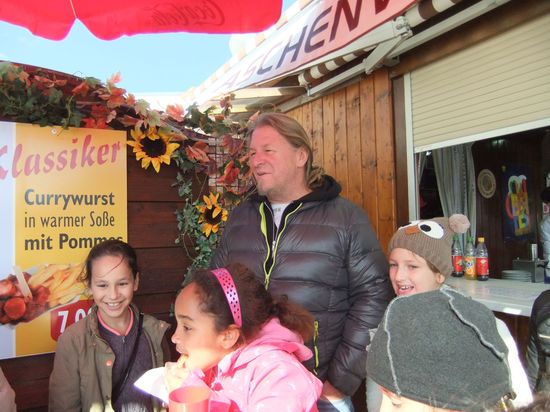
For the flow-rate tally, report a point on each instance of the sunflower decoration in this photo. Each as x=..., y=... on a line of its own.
x=152, y=146
x=212, y=214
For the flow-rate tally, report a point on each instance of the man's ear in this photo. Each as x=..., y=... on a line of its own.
x=230, y=336
x=301, y=156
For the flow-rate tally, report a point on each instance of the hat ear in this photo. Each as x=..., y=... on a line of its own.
x=459, y=223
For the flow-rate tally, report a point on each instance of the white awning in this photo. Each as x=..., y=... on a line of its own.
x=320, y=31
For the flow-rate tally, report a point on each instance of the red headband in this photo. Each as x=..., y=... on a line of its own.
x=230, y=290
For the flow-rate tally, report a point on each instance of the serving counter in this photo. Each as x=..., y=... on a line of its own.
x=499, y=295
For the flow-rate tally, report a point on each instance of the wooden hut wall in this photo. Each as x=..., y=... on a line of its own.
x=152, y=230
x=352, y=137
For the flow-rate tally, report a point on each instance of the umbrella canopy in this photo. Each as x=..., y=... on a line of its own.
x=110, y=19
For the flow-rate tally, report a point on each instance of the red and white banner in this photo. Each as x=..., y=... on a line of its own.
x=320, y=28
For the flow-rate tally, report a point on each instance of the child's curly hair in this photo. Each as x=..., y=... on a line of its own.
x=257, y=304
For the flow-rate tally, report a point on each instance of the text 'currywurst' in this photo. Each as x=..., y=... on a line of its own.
x=32, y=198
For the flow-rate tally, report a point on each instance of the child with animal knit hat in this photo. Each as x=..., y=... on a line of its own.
x=420, y=262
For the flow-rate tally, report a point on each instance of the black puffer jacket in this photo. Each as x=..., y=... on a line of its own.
x=326, y=257
x=538, y=350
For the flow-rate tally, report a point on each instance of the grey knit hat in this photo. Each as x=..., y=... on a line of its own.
x=442, y=349
x=431, y=239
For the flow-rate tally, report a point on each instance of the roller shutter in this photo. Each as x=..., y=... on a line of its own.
x=496, y=87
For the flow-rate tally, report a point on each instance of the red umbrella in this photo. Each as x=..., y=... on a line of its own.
x=110, y=19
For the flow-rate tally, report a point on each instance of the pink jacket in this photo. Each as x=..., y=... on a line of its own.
x=266, y=374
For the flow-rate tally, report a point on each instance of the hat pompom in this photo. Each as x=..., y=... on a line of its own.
x=459, y=223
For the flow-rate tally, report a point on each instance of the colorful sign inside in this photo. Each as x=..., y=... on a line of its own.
x=61, y=192
x=517, y=218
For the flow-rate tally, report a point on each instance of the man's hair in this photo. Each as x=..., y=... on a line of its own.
x=295, y=134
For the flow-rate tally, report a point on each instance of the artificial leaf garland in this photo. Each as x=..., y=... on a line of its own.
x=39, y=96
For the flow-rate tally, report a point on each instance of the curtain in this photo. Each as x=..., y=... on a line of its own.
x=454, y=170
x=420, y=163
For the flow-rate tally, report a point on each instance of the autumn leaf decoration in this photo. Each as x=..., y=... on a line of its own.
x=198, y=152
x=207, y=142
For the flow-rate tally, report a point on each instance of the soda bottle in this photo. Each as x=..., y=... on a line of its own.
x=456, y=254
x=470, y=259
x=482, y=260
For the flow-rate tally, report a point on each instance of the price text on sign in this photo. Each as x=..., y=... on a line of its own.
x=63, y=317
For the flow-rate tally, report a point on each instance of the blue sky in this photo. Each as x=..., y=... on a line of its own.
x=148, y=63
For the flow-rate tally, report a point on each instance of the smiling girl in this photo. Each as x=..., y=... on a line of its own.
x=98, y=358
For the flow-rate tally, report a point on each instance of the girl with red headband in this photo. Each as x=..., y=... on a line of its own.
x=247, y=345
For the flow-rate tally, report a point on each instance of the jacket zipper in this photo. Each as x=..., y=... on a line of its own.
x=272, y=249
x=315, y=348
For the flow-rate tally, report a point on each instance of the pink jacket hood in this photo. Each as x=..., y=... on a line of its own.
x=267, y=374
x=273, y=336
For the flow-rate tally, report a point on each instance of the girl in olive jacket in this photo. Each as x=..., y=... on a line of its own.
x=98, y=359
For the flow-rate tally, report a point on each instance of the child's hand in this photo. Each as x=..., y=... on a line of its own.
x=175, y=373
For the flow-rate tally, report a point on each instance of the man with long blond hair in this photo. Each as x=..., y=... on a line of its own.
x=307, y=242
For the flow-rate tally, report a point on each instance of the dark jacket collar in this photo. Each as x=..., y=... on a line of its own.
x=329, y=189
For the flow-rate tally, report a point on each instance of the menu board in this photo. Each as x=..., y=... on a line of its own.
x=61, y=192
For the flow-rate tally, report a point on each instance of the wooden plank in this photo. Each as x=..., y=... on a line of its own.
x=385, y=154
x=17, y=369
x=368, y=151
x=158, y=304
x=306, y=118
x=32, y=395
x=329, y=159
x=340, y=141
x=401, y=179
x=296, y=114
x=355, y=185
x=29, y=377
x=162, y=269
x=317, y=131
x=152, y=224
x=147, y=185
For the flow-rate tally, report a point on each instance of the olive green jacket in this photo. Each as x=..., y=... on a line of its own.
x=81, y=376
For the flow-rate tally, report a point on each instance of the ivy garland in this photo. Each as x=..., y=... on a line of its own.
x=210, y=147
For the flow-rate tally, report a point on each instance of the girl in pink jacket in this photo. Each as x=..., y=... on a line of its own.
x=246, y=345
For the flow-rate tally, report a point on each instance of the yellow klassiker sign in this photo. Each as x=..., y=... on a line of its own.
x=69, y=192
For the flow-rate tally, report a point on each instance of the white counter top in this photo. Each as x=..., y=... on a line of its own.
x=508, y=296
